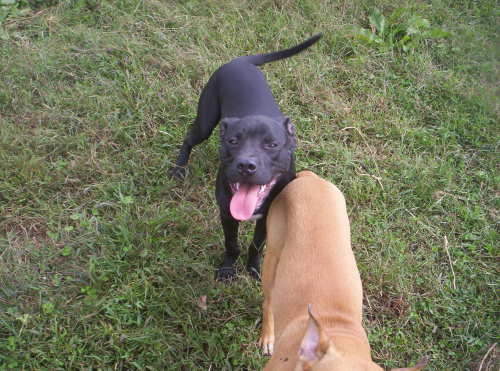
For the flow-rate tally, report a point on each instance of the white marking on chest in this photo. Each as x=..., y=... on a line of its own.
x=256, y=217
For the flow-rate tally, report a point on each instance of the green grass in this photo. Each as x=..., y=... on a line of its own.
x=103, y=259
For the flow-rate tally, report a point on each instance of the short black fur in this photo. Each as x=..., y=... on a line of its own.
x=257, y=144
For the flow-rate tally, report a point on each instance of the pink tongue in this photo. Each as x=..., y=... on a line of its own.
x=244, y=201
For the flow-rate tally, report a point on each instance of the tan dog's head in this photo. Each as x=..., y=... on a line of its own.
x=318, y=353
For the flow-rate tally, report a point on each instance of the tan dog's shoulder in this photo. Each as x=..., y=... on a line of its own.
x=306, y=173
x=308, y=186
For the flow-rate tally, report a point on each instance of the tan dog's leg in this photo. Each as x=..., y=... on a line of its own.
x=268, y=271
x=267, y=335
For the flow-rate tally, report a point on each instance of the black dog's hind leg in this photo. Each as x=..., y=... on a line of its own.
x=226, y=270
x=255, y=249
x=207, y=117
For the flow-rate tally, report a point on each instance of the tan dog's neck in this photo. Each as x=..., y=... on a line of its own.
x=334, y=350
x=296, y=348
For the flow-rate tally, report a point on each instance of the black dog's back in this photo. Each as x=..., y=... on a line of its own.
x=242, y=88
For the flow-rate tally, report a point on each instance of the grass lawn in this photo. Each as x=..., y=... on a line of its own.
x=103, y=259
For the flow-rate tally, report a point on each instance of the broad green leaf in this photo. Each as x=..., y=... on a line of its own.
x=437, y=33
x=127, y=200
x=418, y=23
x=366, y=35
x=411, y=30
x=3, y=35
x=377, y=20
x=76, y=216
x=7, y=2
x=66, y=251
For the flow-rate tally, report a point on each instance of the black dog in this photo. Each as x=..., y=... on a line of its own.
x=256, y=151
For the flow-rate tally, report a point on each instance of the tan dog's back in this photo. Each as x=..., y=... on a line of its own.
x=317, y=266
x=314, y=227
x=309, y=261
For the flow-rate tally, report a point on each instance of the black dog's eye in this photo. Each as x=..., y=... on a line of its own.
x=271, y=145
x=232, y=141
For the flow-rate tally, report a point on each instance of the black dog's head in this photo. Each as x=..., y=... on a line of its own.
x=255, y=151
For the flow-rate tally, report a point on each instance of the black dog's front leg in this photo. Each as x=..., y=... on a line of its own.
x=178, y=171
x=207, y=117
x=255, y=249
x=226, y=271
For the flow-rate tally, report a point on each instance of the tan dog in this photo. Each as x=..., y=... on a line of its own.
x=309, y=262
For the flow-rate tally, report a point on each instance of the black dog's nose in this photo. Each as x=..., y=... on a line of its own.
x=246, y=167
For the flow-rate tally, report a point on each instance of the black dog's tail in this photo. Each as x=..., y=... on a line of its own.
x=260, y=59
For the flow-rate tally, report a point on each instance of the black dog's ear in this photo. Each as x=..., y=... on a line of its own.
x=224, y=124
x=290, y=130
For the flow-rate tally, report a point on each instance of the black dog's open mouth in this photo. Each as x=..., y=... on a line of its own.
x=247, y=198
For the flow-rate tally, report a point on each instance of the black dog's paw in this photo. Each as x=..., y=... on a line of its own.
x=177, y=173
x=225, y=274
x=254, y=272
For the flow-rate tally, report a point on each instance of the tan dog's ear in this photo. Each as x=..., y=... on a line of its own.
x=310, y=341
x=420, y=365
x=314, y=344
